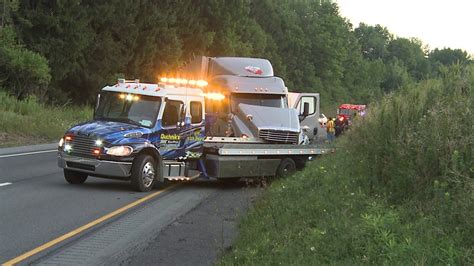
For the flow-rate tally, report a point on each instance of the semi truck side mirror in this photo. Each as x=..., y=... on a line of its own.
x=305, y=109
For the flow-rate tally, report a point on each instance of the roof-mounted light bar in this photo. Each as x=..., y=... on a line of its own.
x=179, y=81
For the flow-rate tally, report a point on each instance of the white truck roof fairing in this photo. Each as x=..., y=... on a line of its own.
x=240, y=66
x=236, y=84
x=151, y=89
x=204, y=67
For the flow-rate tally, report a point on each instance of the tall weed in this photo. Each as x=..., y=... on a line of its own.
x=399, y=190
x=31, y=119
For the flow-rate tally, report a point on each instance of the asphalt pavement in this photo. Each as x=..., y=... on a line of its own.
x=37, y=206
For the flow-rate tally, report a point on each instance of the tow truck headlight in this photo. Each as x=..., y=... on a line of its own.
x=120, y=151
x=61, y=143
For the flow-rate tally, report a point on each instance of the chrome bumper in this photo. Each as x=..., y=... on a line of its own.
x=94, y=166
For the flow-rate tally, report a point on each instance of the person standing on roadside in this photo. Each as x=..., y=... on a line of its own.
x=330, y=129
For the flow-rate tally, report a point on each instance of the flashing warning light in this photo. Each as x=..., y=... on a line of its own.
x=129, y=97
x=67, y=147
x=341, y=118
x=180, y=81
x=98, y=142
x=201, y=83
x=68, y=138
x=214, y=96
x=96, y=151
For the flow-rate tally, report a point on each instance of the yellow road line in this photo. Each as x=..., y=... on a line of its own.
x=83, y=228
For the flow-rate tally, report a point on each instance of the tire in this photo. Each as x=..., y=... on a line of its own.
x=144, y=173
x=300, y=163
x=73, y=177
x=286, y=168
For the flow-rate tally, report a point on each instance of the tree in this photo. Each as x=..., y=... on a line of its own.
x=7, y=7
x=409, y=52
x=373, y=40
x=447, y=57
x=22, y=71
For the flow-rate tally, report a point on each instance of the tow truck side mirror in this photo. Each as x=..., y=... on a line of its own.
x=97, y=104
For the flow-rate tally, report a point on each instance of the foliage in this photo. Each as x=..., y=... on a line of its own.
x=22, y=70
x=87, y=43
x=373, y=40
x=29, y=118
x=399, y=189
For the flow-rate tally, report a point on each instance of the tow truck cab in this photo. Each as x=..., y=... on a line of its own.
x=139, y=131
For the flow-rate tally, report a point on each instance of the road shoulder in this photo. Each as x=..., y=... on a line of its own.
x=200, y=236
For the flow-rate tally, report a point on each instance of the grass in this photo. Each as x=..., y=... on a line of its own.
x=399, y=189
x=31, y=122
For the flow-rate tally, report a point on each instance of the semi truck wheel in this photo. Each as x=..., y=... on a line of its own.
x=287, y=167
x=73, y=177
x=143, y=173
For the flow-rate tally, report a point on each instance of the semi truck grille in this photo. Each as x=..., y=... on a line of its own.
x=82, y=146
x=279, y=136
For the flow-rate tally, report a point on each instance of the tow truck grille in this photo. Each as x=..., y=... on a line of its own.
x=82, y=146
x=279, y=136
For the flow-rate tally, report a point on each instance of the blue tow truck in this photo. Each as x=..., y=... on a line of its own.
x=232, y=121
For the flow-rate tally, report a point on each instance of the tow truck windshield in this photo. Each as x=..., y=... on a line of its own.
x=269, y=100
x=135, y=109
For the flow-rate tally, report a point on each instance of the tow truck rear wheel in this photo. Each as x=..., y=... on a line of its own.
x=287, y=167
x=143, y=173
x=73, y=177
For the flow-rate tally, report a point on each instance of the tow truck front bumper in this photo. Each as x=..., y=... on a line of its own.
x=95, y=167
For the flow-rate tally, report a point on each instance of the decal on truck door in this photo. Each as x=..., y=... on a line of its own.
x=181, y=135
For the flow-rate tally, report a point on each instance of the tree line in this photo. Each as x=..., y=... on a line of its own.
x=65, y=50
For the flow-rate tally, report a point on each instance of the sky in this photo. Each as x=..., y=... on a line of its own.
x=437, y=23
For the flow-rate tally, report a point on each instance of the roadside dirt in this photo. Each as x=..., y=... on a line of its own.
x=10, y=140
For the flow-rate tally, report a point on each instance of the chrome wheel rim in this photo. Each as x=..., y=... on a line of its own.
x=148, y=174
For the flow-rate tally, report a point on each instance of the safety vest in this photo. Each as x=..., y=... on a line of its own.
x=330, y=126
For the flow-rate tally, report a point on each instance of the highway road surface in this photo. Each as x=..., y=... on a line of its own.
x=45, y=221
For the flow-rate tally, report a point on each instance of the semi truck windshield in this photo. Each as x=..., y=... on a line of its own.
x=133, y=109
x=269, y=100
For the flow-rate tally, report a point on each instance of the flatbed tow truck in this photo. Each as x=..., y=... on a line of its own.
x=236, y=123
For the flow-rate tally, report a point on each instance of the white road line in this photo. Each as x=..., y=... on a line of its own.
x=26, y=153
x=5, y=184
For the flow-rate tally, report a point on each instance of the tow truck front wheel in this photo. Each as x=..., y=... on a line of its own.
x=143, y=173
x=73, y=177
x=287, y=167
